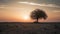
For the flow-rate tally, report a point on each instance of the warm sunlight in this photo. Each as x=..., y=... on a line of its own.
x=26, y=17
x=20, y=10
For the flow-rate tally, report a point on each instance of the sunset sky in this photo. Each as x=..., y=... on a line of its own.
x=19, y=10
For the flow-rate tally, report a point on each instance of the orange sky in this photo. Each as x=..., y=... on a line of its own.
x=21, y=12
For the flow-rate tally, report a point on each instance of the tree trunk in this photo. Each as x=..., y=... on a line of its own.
x=37, y=20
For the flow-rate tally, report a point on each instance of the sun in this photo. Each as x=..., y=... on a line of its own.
x=26, y=17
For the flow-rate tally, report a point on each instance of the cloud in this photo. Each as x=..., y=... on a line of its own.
x=46, y=5
x=56, y=11
x=3, y=6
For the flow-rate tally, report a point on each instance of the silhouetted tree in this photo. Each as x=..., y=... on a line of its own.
x=38, y=14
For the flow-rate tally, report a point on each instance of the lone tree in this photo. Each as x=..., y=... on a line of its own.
x=38, y=14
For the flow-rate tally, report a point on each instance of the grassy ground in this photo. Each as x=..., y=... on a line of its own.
x=29, y=28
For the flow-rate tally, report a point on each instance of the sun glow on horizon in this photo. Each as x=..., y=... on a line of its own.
x=26, y=17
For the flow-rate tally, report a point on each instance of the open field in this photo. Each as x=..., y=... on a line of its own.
x=29, y=28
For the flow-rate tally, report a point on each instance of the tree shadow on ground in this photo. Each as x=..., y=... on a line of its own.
x=35, y=22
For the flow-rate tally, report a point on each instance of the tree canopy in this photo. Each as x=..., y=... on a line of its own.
x=38, y=14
